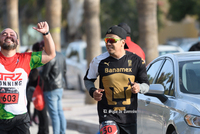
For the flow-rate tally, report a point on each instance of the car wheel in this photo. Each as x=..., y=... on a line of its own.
x=174, y=132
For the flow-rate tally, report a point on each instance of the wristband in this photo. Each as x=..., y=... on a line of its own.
x=91, y=91
x=46, y=33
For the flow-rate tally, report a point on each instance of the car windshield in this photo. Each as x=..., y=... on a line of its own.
x=103, y=49
x=189, y=76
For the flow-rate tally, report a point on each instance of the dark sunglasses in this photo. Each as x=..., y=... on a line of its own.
x=111, y=40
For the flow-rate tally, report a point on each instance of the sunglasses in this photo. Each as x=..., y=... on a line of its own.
x=111, y=40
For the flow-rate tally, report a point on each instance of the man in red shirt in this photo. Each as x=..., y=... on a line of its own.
x=14, y=71
x=132, y=47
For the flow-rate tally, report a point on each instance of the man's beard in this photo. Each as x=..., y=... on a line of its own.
x=12, y=46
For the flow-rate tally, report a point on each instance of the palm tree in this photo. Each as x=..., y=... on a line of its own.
x=12, y=16
x=53, y=18
x=148, y=36
x=93, y=34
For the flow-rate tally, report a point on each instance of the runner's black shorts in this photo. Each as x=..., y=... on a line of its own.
x=18, y=125
x=127, y=128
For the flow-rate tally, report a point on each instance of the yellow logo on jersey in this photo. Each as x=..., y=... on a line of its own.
x=143, y=61
x=107, y=63
x=117, y=89
x=129, y=63
x=117, y=70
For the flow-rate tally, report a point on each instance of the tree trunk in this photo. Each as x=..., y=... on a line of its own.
x=148, y=29
x=53, y=18
x=12, y=17
x=93, y=35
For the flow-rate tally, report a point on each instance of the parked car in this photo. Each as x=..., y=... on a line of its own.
x=187, y=46
x=184, y=43
x=77, y=63
x=172, y=104
x=165, y=49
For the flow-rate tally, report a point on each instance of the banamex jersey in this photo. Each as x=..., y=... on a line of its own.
x=14, y=73
x=118, y=102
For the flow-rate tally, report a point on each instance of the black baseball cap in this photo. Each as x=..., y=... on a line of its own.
x=126, y=27
x=119, y=31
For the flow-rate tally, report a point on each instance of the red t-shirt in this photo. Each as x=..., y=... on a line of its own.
x=14, y=73
x=134, y=48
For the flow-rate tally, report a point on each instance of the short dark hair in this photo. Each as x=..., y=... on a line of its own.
x=38, y=46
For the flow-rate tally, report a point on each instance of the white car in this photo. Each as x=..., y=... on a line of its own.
x=77, y=63
x=165, y=49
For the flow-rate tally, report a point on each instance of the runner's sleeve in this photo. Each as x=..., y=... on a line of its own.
x=90, y=87
x=91, y=76
x=36, y=60
x=142, y=73
x=92, y=72
x=142, y=78
x=144, y=88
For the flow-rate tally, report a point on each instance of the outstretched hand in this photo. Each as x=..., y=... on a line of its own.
x=42, y=27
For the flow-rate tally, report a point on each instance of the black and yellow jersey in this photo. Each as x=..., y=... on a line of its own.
x=118, y=102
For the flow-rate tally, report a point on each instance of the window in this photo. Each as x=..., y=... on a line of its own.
x=152, y=70
x=165, y=76
x=189, y=76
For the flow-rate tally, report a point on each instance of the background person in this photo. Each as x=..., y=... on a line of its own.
x=29, y=93
x=53, y=74
x=15, y=69
x=132, y=47
x=43, y=127
x=114, y=95
x=196, y=46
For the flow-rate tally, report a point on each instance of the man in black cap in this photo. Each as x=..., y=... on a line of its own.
x=132, y=47
x=116, y=96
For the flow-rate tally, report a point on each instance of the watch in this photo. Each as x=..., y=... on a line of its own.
x=46, y=33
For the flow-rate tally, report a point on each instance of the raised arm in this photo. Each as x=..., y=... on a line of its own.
x=49, y=47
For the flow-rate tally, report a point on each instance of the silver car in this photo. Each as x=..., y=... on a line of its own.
x=172, y=105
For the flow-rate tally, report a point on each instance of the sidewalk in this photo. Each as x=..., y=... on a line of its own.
x=81, y=118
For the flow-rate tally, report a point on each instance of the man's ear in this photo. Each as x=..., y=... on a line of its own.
x=17, y=41
x=123, y=42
